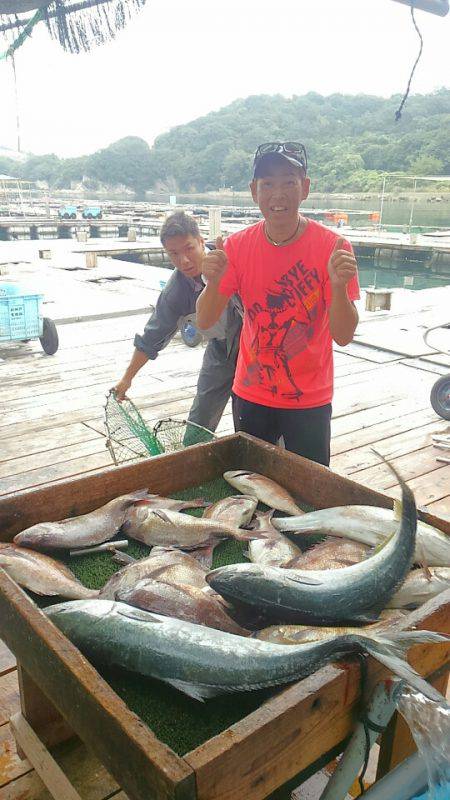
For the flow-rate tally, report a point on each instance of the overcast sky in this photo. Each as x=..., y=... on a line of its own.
x=179, y=59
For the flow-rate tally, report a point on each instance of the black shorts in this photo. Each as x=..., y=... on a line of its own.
x=306, y=431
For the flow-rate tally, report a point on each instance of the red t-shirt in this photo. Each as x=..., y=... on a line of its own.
x=286, y=354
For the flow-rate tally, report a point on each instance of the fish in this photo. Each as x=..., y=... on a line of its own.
x=204, y=662
x=88, y=529
x=41, y=574
x=169, y=565
x=264, y=489
x=236, y=510
x=332, y=553
x=181, y=601
x=418, y=588
x=275, y=551
x=369, y=525
x=357, y=593
x=156, y=501
x=296, y=634
x=170, y=528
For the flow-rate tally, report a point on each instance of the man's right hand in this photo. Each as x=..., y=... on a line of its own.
x=215, y=263
x=121, y=388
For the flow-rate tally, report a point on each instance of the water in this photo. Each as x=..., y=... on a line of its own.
x=396, y=211
x=399, y=274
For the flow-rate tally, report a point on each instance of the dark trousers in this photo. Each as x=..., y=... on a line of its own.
x=306, y=431
x=214, y=384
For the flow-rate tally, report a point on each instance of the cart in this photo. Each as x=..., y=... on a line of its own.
x=440, y=392
x=21, y=318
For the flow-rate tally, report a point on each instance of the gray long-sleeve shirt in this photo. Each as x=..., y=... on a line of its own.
x=178, y=299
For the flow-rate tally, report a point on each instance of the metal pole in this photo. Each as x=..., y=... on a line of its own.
x=412, y=206
x=382, y=202
x=439, y=7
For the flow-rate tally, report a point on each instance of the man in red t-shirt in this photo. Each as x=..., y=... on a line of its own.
x=297, y=281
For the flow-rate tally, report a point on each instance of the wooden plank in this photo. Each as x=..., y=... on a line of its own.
x=428, y=488
x=391, y=447
x=15, y=467
x=11, y=765
x=381, y=413
x=25, y=445
x=83, y=769
x=7, y=659
x=9, y=695
x=46, y=767
x=440, y=507
x=411, y=465
x=374, y=433
x=123, y=743
x=55, y=472
x=294, y=729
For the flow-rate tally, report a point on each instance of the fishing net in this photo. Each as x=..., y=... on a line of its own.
x=78, y=25
x=130, y=438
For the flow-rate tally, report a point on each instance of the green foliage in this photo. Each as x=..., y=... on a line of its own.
x=351, y=141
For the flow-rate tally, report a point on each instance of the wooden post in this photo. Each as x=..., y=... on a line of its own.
x=42, y=715
x=91, y=259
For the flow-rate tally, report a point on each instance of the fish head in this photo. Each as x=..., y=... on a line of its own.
x=44, y=534
x=227, y=580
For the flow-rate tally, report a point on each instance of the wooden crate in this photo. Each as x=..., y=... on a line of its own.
x=294, y=732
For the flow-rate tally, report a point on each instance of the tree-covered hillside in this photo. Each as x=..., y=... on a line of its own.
x=351, y=141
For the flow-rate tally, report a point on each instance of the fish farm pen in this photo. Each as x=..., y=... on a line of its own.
x=156, y=742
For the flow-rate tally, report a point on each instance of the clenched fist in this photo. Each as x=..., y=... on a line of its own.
x=342, y=265
x=215, y=263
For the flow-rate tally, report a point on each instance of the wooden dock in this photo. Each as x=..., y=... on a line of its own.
x=51, y=428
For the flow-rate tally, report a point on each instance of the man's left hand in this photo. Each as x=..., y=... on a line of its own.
x=342, y=265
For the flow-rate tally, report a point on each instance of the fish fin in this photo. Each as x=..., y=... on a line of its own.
x=142, y=501
x=242, y=535
x=159, y=512
x=194, y=690
x=138, y=614
x=303, y=578
x=198, y=502
x=123, y=558
x=423, y=561
x=382, y=544
x=135, y=498
x=390, y=650
x=204, y=555
x=398, y=509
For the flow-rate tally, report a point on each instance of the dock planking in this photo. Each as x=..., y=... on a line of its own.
x=52, y=429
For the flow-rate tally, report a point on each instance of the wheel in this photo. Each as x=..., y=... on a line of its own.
x=88, y=216
x=66, y=216
x=190, y=334
x=73, y=216
x=440, y=397
x=49, y=339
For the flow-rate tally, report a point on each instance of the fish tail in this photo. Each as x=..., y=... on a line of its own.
x=391, y=649
x=408, y=503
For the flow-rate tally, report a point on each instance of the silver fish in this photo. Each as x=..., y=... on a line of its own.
x=204, y=662
x=181, y=601
x=369, y=525
x=355, y=593
x=88, y=529
x=169, y=565
x=170, y=528
x=41, y=574
x=275, y=551
x=236, y=510
x=156, y=501
x=264, y=489
x=296, y=634
x=418, y=588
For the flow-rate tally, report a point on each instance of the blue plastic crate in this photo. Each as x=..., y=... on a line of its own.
x=20, y=316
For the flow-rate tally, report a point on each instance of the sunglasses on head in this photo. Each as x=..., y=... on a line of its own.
x=293, y=149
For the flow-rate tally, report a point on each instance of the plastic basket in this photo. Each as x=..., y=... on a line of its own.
x=20, y=316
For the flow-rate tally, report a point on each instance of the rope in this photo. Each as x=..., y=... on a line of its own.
x=398, y=113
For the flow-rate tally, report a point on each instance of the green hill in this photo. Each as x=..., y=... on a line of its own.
x=350, y=139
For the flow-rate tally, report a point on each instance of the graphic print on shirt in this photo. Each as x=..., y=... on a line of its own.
x=284, y=323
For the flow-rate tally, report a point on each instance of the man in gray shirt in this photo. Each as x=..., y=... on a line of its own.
x=180, y=236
